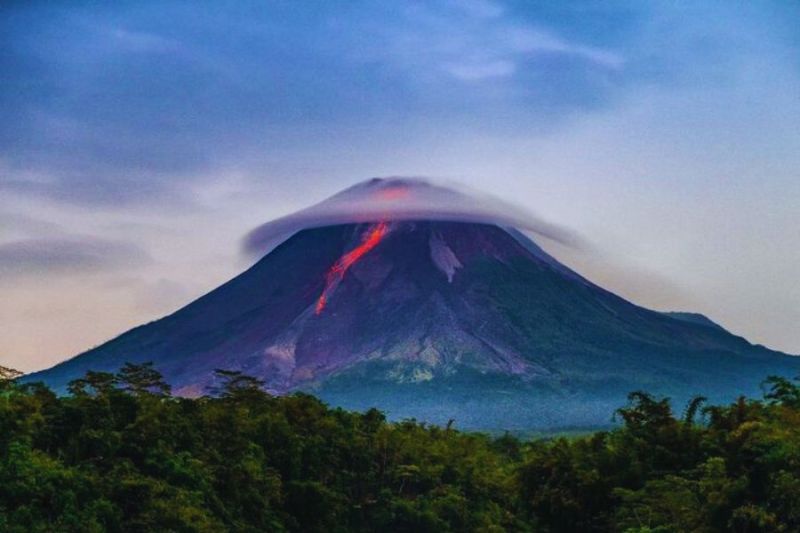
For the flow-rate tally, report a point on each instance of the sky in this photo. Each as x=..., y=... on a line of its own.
x=140, y=142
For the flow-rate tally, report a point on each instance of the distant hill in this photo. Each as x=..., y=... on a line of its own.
x=694, y=318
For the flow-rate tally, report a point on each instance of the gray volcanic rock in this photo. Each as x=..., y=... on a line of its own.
x=437, y=320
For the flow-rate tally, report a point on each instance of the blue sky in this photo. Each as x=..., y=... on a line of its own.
x=139, y=142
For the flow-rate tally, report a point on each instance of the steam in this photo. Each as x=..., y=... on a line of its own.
x=387, y=199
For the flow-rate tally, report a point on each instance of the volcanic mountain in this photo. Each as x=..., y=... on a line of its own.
x=437, y=320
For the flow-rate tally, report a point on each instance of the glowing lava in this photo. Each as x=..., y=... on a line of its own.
x=371, y=238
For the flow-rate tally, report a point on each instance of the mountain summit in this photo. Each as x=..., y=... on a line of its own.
x=436, y=319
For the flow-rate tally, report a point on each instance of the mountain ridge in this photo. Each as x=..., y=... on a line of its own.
x=431, y=316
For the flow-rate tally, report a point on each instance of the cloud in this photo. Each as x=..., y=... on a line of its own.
x=387, y=199
x=160, y=296
x=482, y=71
x=468, y=41
x=531, y=41
x=114, y=105
x=141, y=42
x=18, y=224
x=73, y=254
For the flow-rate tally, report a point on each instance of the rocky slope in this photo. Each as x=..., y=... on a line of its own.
x=437, y=320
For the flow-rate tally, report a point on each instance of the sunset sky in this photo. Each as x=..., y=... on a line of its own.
x=140, y=143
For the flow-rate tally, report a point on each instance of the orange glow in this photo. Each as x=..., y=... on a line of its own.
x=321, y=303
x=371, y=238
x=392, y=193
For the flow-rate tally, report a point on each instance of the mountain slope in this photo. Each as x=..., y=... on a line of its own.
x=436, y=320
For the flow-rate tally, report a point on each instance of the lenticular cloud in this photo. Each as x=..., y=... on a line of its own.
x=387, y=199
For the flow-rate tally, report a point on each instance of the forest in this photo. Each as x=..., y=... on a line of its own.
x=119, y=453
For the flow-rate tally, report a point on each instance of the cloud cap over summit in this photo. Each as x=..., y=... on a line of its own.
x=403, y=198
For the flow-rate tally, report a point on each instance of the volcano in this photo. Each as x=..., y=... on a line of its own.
x=437, y=320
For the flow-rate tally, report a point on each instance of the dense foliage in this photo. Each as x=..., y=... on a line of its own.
x=121, y=454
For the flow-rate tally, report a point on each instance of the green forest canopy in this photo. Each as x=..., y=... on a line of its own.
x=121, y=454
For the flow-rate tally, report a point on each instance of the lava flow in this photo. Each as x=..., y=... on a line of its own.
x=371, y=238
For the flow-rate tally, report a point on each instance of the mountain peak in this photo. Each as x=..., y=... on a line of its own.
x=435, y=319
x=403, y=199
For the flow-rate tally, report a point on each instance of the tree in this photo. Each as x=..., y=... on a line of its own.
x=692, y=407
x=115, y=457
x=143, y=379
x=782, y=391
x=236, y=384
x=8, y=374
x=645, y=414
x=93, y=384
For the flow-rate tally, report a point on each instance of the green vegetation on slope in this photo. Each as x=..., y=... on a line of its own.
x=121, y=454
